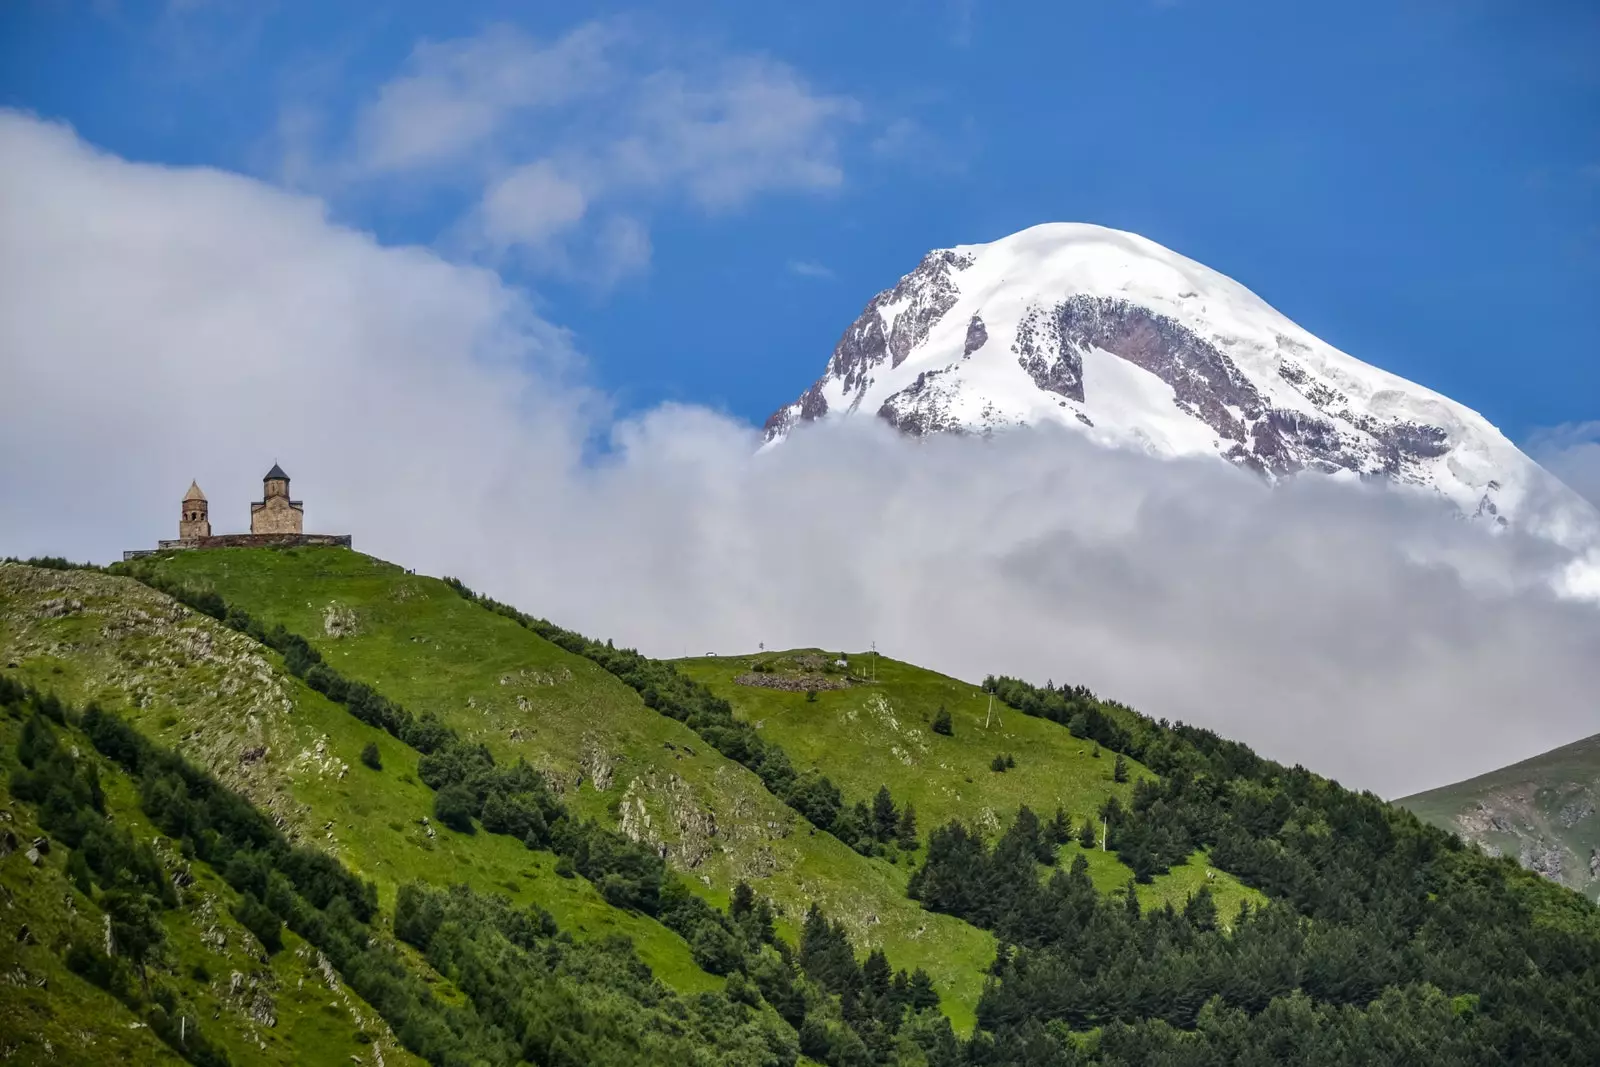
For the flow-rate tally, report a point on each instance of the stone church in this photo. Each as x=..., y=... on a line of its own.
x=275, y=513
x=275, y=520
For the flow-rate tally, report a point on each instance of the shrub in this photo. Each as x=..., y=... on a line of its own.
x=454, y=805
x=260, y=920
x=941, y=722
x=369, y=756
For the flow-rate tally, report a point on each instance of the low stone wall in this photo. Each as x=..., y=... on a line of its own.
x=793, y=683
x=242, y=541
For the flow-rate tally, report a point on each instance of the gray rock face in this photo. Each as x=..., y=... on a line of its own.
x=921, y=408
x=1049, y=345
x=921, y=299
x=977, y=336
x=1543, y=859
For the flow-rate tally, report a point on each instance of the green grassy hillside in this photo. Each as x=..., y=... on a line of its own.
x=277, y=1010
x=1371, y=937
x=229, y=706
x=875, y=733
x=420, y=643
x=1541, y=811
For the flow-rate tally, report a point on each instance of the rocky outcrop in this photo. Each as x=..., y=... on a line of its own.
x=894, y=322
x=977, y=336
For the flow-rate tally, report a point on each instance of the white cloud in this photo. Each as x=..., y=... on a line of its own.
x=159, y=324
x=531, y=204
x=454, y=97
x=806, y=268
x=1572, y=453
x=540, y=134
x=752, y=126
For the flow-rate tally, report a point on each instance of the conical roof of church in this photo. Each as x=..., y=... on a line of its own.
x=275, y=472
x=194, y=492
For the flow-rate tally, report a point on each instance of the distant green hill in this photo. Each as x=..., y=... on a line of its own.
x=878, y=732
x=1541, y=811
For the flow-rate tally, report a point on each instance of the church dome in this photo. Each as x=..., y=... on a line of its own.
x=194, y=492
x=275, y=473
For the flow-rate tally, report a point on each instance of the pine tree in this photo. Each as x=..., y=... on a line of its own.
x=744, y=899
x=1061, y=827
x=884, y=817
x=906, y=835
x=922, y=995
x=1201, y=909
x=875, y=974
x=941, y=722
x=1086, y=834
x=369, y=756
x=1119, y=772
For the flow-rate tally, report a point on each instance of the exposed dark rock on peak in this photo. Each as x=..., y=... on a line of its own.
x=977, y=336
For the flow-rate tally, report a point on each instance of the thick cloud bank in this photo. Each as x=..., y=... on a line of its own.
x=158, y=325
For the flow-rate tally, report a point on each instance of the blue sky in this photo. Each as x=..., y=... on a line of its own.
x=717, y=188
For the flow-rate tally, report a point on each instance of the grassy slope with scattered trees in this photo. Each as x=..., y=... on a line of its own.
x=495, y=984
x=880, y=733
x=282, y=1011
x=421, y=644
x=839, y=1012
x=230, y=706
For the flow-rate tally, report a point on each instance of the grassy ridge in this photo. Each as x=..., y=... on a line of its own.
x=497, y=683
x=1545, y=811
x=879, y=733
x=229, y=706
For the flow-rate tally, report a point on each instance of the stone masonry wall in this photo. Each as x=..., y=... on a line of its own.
x=242, y=541
x=275, y=515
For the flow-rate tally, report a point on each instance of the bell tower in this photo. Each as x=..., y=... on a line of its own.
x=195, y=520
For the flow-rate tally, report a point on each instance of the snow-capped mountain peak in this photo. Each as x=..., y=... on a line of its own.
x=1137, y=346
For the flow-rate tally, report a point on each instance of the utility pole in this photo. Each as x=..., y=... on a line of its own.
x=990, y=718
x=1105, y=830
x=874, y=661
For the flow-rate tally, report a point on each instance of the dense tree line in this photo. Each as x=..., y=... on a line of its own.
x=1074, y=707
x=1382, y=933
x=669, y=692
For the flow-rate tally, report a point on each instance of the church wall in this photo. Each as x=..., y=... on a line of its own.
x=275, y=515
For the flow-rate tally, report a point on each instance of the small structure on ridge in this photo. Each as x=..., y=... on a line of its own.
x=275, y=520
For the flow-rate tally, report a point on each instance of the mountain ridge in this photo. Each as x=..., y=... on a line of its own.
x=1134, y=345
x=1541, y=810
